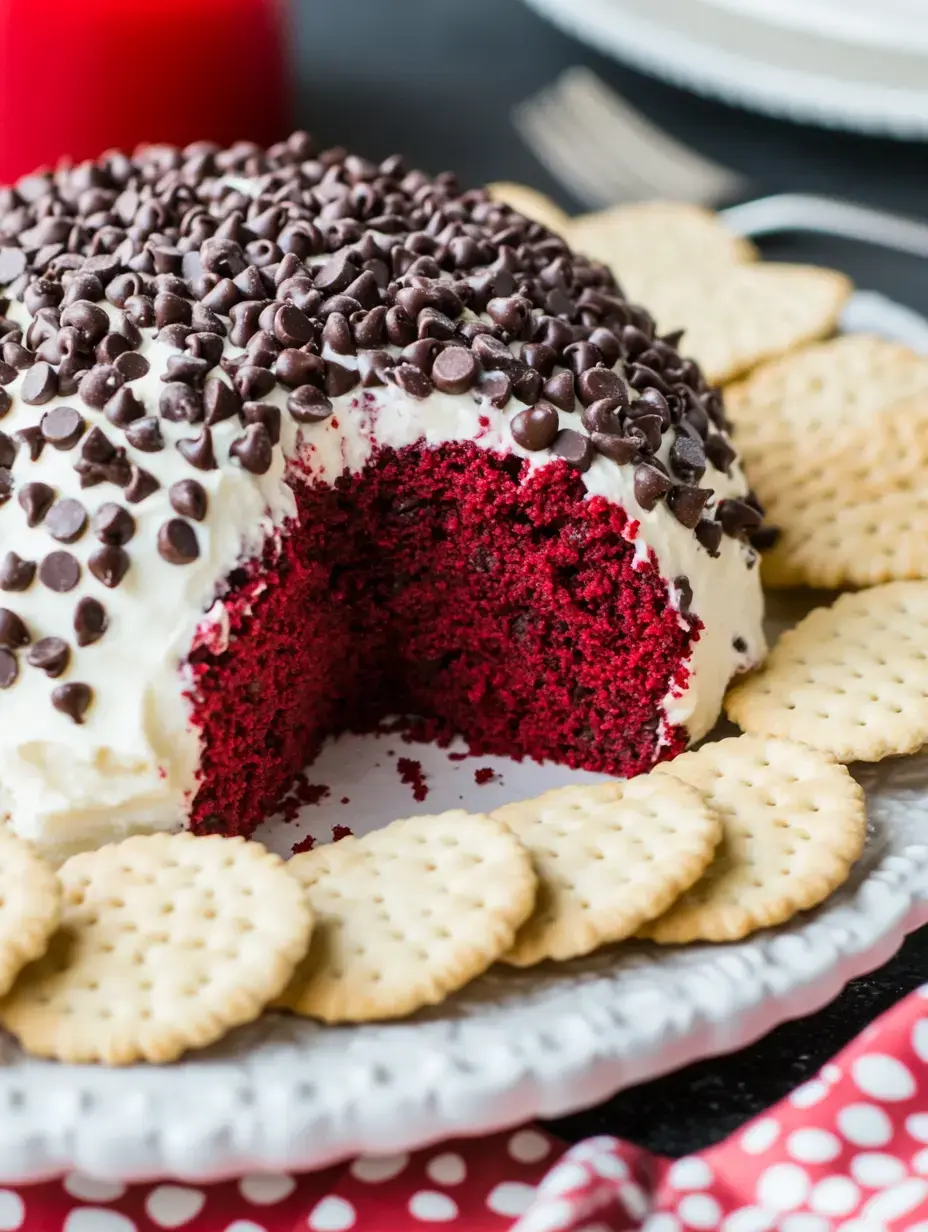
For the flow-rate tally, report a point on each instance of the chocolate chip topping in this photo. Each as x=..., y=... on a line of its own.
x=145, y=434
x=684, y=591
x=177, y=542
x=112, y=524
x=198, y=450
x=132, y=365
x=454, y=370
x=254, y=450
x=124, y=408
x=574, y=448
x=40, y=385
x=9, y=669
x=709, y=535
x=89, y=621
x=688, y=457
x=687, y=502
x=63, y=427
x=36, y=500
x=737, y=517
x=536, y=427
x=16, y=573
x=59, y=571
x=109, y=564
x=73, y=699
x=309, y=405
x=100, y=384
x=141, y=484
x=189, y=499
x=13, y=633
x=66, y=521
x=651, y=485
x=51, y=654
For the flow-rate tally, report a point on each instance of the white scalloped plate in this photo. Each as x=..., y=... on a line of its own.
x=289, y=1095
x=757, y=54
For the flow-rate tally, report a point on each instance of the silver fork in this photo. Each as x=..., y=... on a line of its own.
x=607, y=153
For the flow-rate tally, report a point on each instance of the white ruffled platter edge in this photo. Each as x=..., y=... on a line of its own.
x=289, y=1095
x=756, y=55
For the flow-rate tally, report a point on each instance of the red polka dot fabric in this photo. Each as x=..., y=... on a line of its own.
x=846, y=1152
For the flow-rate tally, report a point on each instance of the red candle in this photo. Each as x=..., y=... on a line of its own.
x=81, y=76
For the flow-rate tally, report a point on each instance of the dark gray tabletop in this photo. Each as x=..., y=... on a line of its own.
x=437, y=79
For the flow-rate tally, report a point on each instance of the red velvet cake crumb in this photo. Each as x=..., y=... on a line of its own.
x=485, y=775
x=412, y=775
x=305, y=844
x=340, y=832
x=437, y=583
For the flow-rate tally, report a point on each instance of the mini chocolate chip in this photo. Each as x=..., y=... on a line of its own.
x=5, y=401
x=141, y=484
x=33, y=439
x=187, y=369
x=174, y=336
x=114, y=525
x=198, y=451
x=737, y=516
x=292, y=327
x=607, y=344
x=265, y=413
x=16, y=573
x=177, y=542
x=36, y=500
x=336, y=334
x=619, y=449
x=709, y=535
x=206, y=346
x=66, y=521
x=180, y=403
x=51, y=654
x=253, y=383
x=559, y=390
x=16, y=355
x=73, y=699
x=651, y=485
x=493, y=354
x=597, y=383
x=764, y=538
x=189, y=499
x=510, y=312
x=401, y=328
x=97, y=447
x=171, y=310
x=59, y=571
x=421, y=353
x=340, y=380
x=109, y=565
x=13, y=633
x=223, y=296
x=39, y=386
x=63, y=427
x=133, y=366
x=100, y=384
x=254, y=450
x=603, y=416
x=88, y=319
x=110, y=349
x=9, y=669
x=6, y=485
x=89, y=621
x=411, y=380
x=295, y=368
x=536, y=427
x=687, y=502
x=8, y=448
x=646, y=430
x=574, y=448
x=220, y=402
x=739, y=645
x=688, y=458
x=719, y=452
x=145, y=434
x=309, y=405
x=681, y=585
x=493, y=387
x=540, y=357
x=454, y=370
x=123, y=408
x=526, y=386
x=336, y=274
x=369, y=328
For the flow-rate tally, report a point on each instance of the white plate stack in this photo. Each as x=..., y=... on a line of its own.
x=852, y=64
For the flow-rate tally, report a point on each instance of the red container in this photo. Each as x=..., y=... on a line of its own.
x=81, y=76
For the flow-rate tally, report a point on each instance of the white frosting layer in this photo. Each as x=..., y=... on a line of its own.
x=133, y=763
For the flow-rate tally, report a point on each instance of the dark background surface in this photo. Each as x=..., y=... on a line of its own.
x=437, y=79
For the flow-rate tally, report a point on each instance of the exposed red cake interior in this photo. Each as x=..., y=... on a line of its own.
x=435, y=583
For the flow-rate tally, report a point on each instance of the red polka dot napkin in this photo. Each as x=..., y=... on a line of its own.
x=846, y=1152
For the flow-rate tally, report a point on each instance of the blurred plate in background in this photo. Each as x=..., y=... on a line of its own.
x=840, y=63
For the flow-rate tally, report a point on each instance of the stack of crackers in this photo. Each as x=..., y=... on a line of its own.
x=145, y=949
